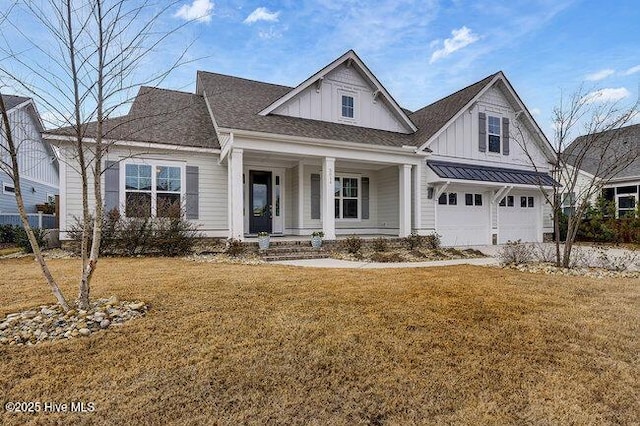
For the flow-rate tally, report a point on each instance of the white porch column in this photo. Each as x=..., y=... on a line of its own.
x=328, y=197
x=405, y=200
x=300, y=197
x=236, y=222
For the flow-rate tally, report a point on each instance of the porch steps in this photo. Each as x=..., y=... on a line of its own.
x=292, y=252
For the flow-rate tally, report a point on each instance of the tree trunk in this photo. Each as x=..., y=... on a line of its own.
x=15, y=175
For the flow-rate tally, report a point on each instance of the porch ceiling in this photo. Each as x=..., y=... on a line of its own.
x=292, y=160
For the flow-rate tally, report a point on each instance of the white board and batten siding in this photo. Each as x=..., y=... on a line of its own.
x=459, y=141
x=212, y=185
x=324, y=102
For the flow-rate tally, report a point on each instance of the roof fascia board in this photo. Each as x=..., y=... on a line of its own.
x=355, y=61
x=134, y=144
x=426, y=144
x=492, y=184
x=330, y=143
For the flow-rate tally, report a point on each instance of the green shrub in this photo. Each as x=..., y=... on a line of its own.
x=9, y=233
x=380, y=245
x=23, y=241
x=352, y=244
x=414, y=241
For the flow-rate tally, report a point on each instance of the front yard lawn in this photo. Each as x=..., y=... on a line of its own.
x=262, y=344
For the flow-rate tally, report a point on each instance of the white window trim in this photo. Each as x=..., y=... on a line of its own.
x=154, y=192
x=618, y=196
x=359, y=197
x=459, y=200
x=6, y=185
x=354, y=95
x=473, y=199
x=499, y=117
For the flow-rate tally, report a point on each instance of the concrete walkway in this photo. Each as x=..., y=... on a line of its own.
x=337, y=263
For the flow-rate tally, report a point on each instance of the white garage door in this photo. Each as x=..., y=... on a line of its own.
x=464, y=220
x=518, y=219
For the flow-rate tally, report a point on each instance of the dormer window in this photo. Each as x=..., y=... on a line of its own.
x=493, y=130
x=347, y=106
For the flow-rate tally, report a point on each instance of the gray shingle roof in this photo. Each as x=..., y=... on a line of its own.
x=433, y=117
x=11, y=101
x=609, y=151
x=236, y=102
x=449, y=170
x=160, y=116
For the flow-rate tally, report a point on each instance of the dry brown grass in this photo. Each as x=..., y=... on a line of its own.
x=232, y=344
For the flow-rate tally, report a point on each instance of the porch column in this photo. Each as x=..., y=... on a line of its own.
x=405, y=200
x=236, y=222
x=328, y=197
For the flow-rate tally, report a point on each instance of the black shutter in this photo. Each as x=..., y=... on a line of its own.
x=192, y=194
x=315, y=196
x=365, y=198
x=505, y=136
x=482, y=132
x=111, y=185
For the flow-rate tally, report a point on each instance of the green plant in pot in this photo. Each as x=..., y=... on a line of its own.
x=263, y=240
x=316, y=239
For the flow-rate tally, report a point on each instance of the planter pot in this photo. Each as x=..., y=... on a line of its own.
x=316, y=242
x=263, y=243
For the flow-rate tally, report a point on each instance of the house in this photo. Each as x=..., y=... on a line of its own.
x=336, y=153
x=37, y=161
x=612, y=156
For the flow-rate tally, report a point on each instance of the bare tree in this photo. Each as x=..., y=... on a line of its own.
x=99, y=49
x=601, y=124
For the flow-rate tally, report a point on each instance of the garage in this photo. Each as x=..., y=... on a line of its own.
x=464, y=218
x=519, y=218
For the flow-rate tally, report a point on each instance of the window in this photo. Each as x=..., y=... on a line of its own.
x=347, y=106
x=523, y=201
x=450, y=198
x=473, y=199
x=627, y=205
x=493, y=130
x=508, y=201
x=530, y=202
x=346, y=197
x=8, y=188
x=152, y=190
x=568, y=203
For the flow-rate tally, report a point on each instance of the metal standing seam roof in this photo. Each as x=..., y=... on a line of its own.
x=490, y=174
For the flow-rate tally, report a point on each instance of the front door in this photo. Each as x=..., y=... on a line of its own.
x=260, y=196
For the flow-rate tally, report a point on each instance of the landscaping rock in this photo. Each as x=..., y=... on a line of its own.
x=48, y=323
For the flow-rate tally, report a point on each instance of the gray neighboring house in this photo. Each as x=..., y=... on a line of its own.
x=624, y=187
x=336, y=154
x=38, y=162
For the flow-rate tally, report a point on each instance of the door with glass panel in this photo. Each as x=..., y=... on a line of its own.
x=260, y=196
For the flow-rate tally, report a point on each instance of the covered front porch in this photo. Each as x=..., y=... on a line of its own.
x=289, y=195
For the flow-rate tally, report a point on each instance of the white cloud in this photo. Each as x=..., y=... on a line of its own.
x=262, y=14
x=461, y=38
x=199, y=10
x=632, y=70
x=606, y=95
x=535, y=111
x=269, y=34
x=599, y=75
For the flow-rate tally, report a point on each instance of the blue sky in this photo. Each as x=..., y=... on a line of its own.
x=420, y=50
x=424, y=50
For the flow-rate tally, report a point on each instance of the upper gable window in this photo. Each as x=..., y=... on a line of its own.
x=493, y=130
x=347, y=106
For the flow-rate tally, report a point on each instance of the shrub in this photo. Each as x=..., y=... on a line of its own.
x=9, y=233
x=386, y=257
x=380, y=245
x=413, y=241
x=515, y=253
x=353, y=244
x=234, y=247
x=175, y=236
x=433, y=241
x=545, y=253
x=23, y=241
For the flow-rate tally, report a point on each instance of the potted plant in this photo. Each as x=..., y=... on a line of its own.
x=263, y=240
x=316, y=239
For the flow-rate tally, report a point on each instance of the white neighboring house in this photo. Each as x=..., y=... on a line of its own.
x=336, y=154
x=624, y=187
x=37, y=161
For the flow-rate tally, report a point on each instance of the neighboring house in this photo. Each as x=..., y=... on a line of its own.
x=336, y=154
x=37, y=161
x=621, y=175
